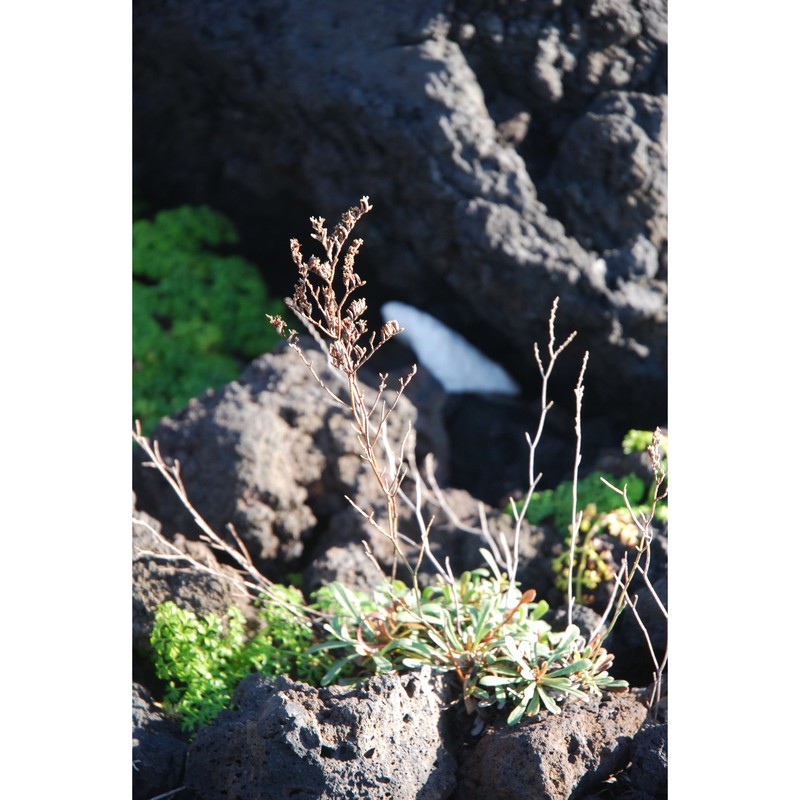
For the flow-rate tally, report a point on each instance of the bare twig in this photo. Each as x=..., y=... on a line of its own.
x=620, y=598
x=253, y=582
x=576, y=517
x=553, y=352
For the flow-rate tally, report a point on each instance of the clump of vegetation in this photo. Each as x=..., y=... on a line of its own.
x=196, y=310
x=555, y=505
x=480, y=628
x=500, y=656
x=202, y=659
x=604, y=514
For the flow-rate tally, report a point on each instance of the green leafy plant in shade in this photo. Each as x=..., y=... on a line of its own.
x=499, y=655
x=555, y=505
x=603, y=514
x=196, y=311
x=202, y=659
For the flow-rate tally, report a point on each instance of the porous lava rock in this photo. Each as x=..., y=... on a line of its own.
x=553, y=756
x=382, y=739
x=514, y=152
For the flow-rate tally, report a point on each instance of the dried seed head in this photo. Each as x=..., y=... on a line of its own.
x=388, y=329
x=278, y=322
x=357, y=308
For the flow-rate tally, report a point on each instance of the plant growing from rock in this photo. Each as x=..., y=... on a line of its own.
x=604, y=515
x=478, y=627
x=481, y=627
x=202, y=659
x=499, y=656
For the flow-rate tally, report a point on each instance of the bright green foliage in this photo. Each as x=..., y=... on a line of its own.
x=481, y=629
x=638, y=442
x=200, y=660
x=204, y=658
x=197, y=314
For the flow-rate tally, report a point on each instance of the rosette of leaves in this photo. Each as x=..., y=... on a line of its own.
x=532, y=673
x=485, y=632
x=198, y=313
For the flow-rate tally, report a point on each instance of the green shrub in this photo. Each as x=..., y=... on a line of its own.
x=197, y=313
x=202, y=659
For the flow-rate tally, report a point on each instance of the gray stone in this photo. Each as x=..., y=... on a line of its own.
x=159, y=748
x=287, y=109
x=272, y=454
x=156, y=580
x=251, y=455
x=611, y=170
x=648, y=769
x=382, y=739
x=553, y=757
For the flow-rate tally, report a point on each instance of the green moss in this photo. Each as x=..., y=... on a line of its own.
x=198, y=314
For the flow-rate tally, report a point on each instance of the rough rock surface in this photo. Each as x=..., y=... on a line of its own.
x=627, y=638
x=341, y=742
x=159, y=748
x=554, y=756
x=270, y=454
x=647, y=772
x=611, y=165
x=382, y=739
x=513, y=152
x=273, y=455
x=155, y=580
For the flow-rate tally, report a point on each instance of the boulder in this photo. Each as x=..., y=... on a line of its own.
x=513, y=152
x=156, y=579
x=553, y=757
x=276, y=457
x=382, y=739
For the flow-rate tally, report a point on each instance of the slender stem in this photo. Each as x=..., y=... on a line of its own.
x=576, y=517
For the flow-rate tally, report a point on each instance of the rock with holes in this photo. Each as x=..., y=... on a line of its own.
x=553, y=757
x=451, y=117
x=271, y=454
x=648, y=769
x=382, y=739
x=276, y=457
